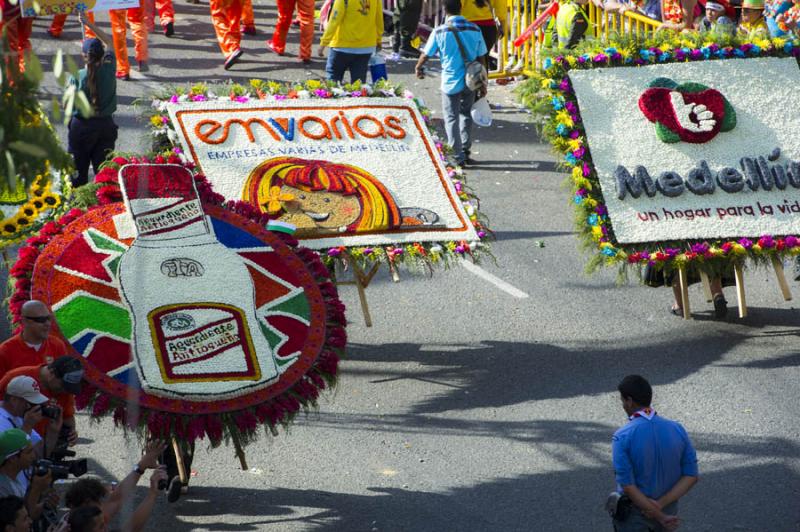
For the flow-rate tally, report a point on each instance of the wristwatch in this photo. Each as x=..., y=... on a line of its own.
x=138, y=470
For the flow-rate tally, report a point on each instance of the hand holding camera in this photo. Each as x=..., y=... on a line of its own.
x=31, y=418
x=158, y=480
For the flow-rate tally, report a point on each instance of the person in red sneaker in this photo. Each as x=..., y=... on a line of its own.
x=35, y=344
x=305, y=11
x=226, y=16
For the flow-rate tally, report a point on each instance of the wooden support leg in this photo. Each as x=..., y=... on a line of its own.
x=778, y=266
x=706, y=287
x=684, y=286
x=362, y=295
x=182, y=473
x=239, y=451
x=737, y=271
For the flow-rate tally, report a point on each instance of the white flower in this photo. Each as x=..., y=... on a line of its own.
x=338, y=91
x=183, y=98
x=172, y=136
x=303, y=94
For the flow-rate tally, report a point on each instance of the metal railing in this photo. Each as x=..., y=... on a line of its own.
x=514, y=60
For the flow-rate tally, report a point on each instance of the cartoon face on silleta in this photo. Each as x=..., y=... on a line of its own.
x=321, y=210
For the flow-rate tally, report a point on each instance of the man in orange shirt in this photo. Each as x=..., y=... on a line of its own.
x=59, y=380
x=34, y=345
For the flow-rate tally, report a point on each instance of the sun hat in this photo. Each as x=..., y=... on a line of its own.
x=752, y=4
x=27, y=388
x=70, y=371
x=481, y=113
x=93, y=47
x=12, y=441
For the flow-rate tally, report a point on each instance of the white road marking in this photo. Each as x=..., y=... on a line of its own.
x=499, y=283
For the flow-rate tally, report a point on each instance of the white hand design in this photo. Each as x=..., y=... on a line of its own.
x=683, y=111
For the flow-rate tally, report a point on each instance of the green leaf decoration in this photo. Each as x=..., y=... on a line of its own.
x=58, y=65
x=665, y=134
x=729, y=122
x=691, y=87
x=663, y=82
x=28, y=149
x=33, y=69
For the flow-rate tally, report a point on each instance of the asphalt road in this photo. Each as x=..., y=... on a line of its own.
x=468, y=406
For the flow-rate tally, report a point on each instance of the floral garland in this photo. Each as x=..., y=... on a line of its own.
x=418, y=256
x=551, y=99
x=242, y=425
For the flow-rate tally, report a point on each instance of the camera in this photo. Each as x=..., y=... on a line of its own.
x=50, y=412
x=61, y=469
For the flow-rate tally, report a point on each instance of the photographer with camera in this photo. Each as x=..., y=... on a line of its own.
x=90, y=492
x=59, y=380
x=24, y=407
x=16, y=477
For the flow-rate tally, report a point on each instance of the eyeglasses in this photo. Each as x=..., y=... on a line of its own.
x=38, y=319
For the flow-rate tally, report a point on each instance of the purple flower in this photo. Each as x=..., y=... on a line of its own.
x=241, y=99
x=766, y=242
x=481, y=234
x=321, y=93
x=355, y=94
x=700, y=249
x=575, y=134
x=564, y=85
x=334, y=252
x=587, y=171
x=280, y=96
x=601, y=210
x=791, y=241
x=616, y=56
x=600, y=58
x=639, y=61
x=713, y=47
x=696, y=54
x=458, y=187
x=570, y=107
x=580, y=152
x=746, y=47
x=176, y=150
x=580, y=192
x=746, y=243
x=672, y=252
x=174, y=98
x=367, y=251
x=460, y=249
x=164, y=120
x=581, y=60
x=679, y=55
x=199, y=98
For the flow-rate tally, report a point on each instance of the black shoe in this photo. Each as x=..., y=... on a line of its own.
x=233, y=59
x=720, y=306
x=469, y=161
x=409, y=53
x=169, y=29
x=174, y=489
x=143, y=66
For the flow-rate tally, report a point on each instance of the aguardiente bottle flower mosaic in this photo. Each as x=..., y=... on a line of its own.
x=195, y=329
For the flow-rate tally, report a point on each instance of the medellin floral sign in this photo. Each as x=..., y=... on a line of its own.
x=682, y=152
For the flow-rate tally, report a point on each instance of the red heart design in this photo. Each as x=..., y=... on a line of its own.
x=656, y=105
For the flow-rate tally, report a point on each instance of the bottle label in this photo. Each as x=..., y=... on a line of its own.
x=197, y=342
x=168, y=218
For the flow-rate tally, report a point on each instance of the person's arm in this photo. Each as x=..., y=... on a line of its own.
x=149, y=460
x=39, y=483
x=53, y=430
x=378, y=26
x=677, y=491
x=142, y=513
x=650, y=508
x=501, y=12
x=103, y=36
x=334, y=21
x=419, y=70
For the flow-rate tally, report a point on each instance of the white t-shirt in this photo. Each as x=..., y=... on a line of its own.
x=12, y=486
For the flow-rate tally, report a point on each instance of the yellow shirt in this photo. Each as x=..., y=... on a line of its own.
x=354, y=24
x=754, y=29
x=471, y=11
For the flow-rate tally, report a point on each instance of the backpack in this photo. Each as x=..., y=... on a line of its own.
x=475, y=75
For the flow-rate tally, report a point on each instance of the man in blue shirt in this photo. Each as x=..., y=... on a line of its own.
x=654, y=461
x=457, y=98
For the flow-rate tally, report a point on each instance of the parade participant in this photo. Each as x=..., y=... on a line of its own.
x=457, y=98
x=752, y=21
x=305, y=11
x=226, y=16
x=57, y=26
x=134, y=17
x=491, y=17
x=571, y=23
x=353, y=33
x=35, y=344
x=405, y=20
x=22, y=409
x=90, y=492
x=59, y=380
x=715, y=19
x=655, y=463
x=166, y=15
x=16, y=478
x=248, y=18
x=18, y=31
x=92, y=138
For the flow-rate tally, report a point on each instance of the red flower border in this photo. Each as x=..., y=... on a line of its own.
x=238, y=418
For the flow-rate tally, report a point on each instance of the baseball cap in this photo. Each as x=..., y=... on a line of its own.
x=93, y=47
x=12, y=441
x=70, y=371
x=27, y=388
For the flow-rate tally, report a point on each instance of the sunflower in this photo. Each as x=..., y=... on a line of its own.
x=23, y=221
x=9, y=228
x=37, y=204
x=51, y=200
x=29, y=211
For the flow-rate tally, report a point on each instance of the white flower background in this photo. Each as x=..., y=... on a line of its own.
x=763, y=92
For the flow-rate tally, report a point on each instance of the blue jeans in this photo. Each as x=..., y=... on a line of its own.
x=456, y=109
x=339, y=62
